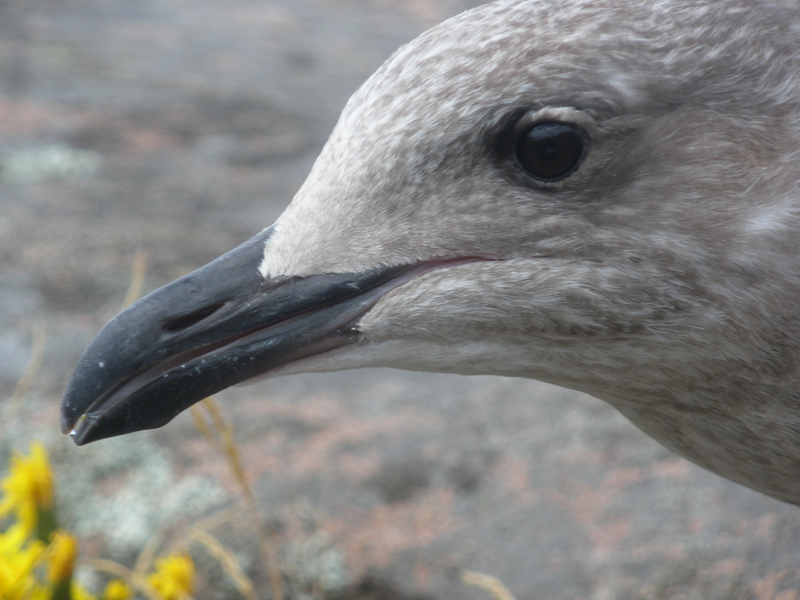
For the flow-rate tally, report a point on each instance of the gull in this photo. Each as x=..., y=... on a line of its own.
x=599, y=194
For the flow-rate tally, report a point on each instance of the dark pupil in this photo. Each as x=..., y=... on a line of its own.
x=550, y=151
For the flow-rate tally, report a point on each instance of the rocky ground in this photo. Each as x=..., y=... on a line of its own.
x=174, y=130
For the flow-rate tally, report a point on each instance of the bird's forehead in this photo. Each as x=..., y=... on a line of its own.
x=385, y=178
x=497, y=54
x=605, y=55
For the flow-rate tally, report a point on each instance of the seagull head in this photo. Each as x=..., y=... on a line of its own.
x=598, y=194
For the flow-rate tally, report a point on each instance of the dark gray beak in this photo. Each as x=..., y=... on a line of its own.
x=211, y=329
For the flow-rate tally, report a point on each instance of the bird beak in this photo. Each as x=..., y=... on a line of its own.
x=211, y=329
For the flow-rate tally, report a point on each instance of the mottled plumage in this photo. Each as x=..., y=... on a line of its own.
x=662, y=275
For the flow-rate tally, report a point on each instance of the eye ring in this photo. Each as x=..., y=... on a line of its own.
x=550, y=151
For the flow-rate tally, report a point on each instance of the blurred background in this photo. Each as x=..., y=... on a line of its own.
x=162, y=133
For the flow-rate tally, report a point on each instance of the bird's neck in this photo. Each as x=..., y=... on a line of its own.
x=749, y=436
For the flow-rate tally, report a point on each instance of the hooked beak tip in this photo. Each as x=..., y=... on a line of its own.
x=79, y=432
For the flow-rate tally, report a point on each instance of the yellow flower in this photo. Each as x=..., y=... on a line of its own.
x=18, y=558
x=117, y=589
x=61, y=557
x=12, y=540
x=27, y=492
x=78, y=592
x=174, y=577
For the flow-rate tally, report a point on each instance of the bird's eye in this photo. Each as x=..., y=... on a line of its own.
x=550, y=151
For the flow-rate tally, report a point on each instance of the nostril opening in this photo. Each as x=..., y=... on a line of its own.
x=185, y=321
